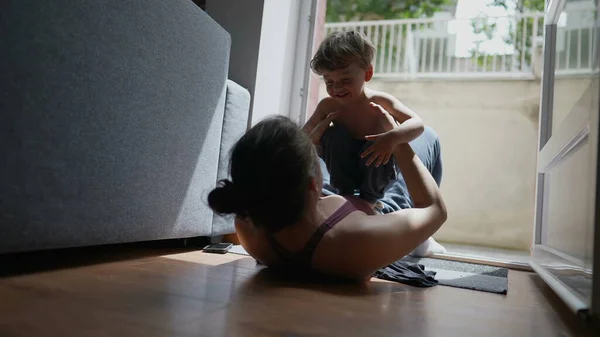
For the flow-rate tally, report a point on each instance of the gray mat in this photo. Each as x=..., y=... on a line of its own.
x=466, y=275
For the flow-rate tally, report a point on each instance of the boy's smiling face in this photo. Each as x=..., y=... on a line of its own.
x=347, y=84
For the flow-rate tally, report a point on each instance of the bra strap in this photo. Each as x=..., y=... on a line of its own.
x=305, y=255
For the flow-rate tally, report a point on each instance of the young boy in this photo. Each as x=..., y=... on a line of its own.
x=357, y=154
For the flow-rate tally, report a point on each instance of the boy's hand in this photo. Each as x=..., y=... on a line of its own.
x=382, y=149
x=317, y=133
x=385, y=142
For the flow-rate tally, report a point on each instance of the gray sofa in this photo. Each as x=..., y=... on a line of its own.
x=117, y=118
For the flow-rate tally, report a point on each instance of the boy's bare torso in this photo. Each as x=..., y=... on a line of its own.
x=358, y=117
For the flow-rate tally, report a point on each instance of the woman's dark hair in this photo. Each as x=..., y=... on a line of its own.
x=271, y=168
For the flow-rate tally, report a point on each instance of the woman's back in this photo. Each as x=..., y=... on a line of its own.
x=296, y=245
x=282, y=219
x=336, y=245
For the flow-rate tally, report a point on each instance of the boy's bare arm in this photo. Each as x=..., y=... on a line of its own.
x=322, y=111
x=411, y=126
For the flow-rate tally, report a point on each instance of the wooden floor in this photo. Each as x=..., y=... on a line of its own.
x=166, y=293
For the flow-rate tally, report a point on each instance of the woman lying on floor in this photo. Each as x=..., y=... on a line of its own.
x=282, y=219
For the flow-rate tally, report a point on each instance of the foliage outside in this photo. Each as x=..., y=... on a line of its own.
x=373, y=10
x=363, y=10
x=520, y=33
x=520, y=29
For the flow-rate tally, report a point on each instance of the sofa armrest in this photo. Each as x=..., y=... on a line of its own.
x=235, y=123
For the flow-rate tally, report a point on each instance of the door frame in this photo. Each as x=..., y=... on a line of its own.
x=303, y=50
x=546, y=104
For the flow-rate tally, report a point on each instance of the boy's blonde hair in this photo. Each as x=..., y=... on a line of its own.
x=340, y=49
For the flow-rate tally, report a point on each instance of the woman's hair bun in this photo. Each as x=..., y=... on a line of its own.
x=225, y=199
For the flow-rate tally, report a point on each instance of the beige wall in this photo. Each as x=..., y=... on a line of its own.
x=488, y=131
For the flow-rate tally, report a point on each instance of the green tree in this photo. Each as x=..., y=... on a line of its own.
x=520, y=30
x=520, y=6
x=521, y=33
x=361, y=10
x=367, y=10
x=483, y=26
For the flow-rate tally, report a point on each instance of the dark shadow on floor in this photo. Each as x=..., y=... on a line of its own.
x=273, y=279
x=47, y=260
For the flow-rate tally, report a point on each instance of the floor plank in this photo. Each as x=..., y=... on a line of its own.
x=198, y=294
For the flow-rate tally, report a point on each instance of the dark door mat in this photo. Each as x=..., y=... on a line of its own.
x=466, y=275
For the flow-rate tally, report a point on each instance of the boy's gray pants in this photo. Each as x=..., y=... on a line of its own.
x=345, y=173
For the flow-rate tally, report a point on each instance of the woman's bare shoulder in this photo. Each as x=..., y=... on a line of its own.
x=361, y=244
x=338, y=249
x=331, y=201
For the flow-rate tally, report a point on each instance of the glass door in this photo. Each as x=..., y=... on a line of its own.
x=564, y=250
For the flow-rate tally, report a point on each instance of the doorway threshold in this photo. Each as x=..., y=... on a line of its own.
x=498, y=257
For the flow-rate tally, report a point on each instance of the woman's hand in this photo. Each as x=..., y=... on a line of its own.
x=317, y=133
x=384, y=143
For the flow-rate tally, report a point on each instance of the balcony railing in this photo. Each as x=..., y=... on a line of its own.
x=503, y=47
